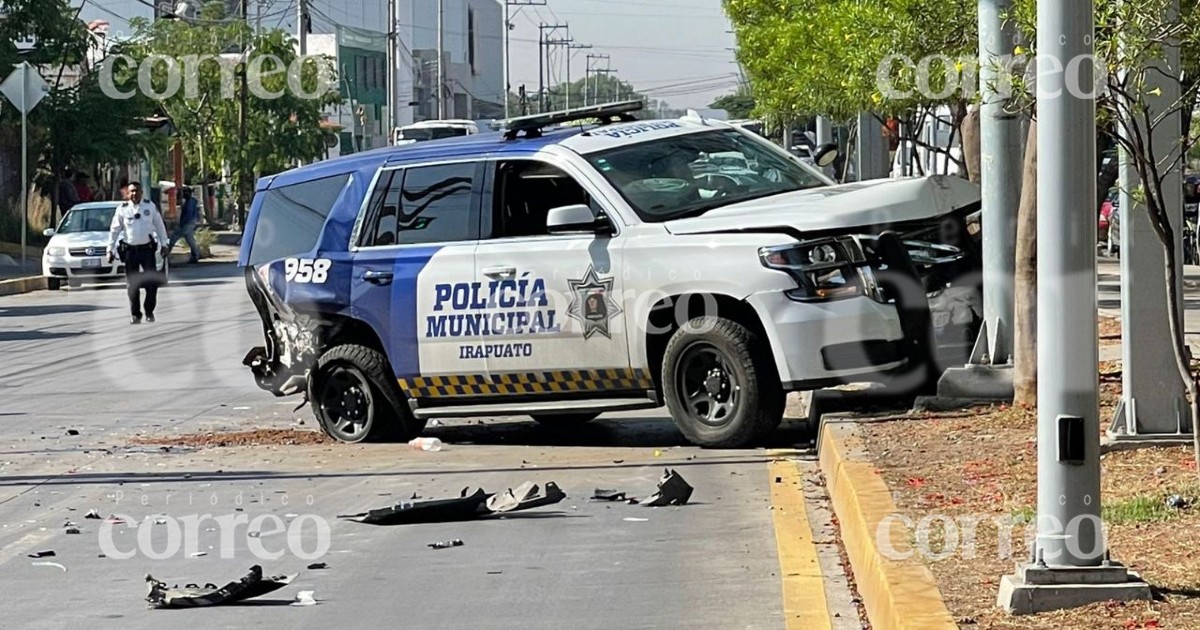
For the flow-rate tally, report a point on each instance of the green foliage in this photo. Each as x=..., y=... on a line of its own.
x=282, y=123
x=809, y=57
x=738, y=105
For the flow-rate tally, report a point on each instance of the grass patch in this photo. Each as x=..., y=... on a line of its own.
x=1148, y=508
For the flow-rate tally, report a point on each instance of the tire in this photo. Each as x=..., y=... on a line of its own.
x=355, y=398
x=75, y=284
x=54, y=284
x=565, y=419
x=728, y=374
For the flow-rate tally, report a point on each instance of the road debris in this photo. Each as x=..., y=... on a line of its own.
x=316, y=566
x=48, y=553
x=192, y=596
x=51, y=564
x=525, y=497
x=672, y=490
x=602, y=494
x=73, y=432
x=426, y=444
x=113, y=519
x=198, y=554
x=1178, y=502
x=636, y=520
x=447, y=544
x=305, y=598
x=93, y=514
x=465, y=508
x=71, y=529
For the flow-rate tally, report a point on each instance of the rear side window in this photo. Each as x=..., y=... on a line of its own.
x=290, y=218
x=423, y=204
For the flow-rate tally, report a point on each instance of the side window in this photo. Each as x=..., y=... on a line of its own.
x=291, y=218
x=525, y=192
x=423, y=204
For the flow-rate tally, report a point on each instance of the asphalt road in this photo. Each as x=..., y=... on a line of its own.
x=70, y=362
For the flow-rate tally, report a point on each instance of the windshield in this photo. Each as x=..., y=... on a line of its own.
x=87, y=220
x=421, y=134
x=692, y=174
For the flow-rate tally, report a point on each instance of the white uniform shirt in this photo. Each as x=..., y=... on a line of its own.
x=138, y=224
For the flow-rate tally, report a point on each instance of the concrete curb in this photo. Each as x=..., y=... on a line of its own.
x=897, y=594
x=22, y=285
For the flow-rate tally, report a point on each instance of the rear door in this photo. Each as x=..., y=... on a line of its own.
x=415, y=244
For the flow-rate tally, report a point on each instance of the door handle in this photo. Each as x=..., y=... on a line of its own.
x=500, y=272
x=381, y=278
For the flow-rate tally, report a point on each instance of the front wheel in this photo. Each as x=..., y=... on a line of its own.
x=54, y=284
x=720, y=384
x=355, y=399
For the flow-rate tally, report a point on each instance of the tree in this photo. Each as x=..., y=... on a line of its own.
x=284, y=109
x=825, y=57
x=739, y=105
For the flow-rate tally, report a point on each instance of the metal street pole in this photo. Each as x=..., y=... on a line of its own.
x=25, y=160
x=1000, y=153
x=541, y=67
x=824, y=136
x=507, y=78
x=392, y=96
x=243, y=107
x=1069, y=564
x=441, y=65
x=302, y=26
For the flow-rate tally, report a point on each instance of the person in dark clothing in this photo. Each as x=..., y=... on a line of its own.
x=67, y=194
x=189, y=216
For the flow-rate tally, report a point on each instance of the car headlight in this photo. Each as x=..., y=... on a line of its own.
x=825, y=269
x=56, y=251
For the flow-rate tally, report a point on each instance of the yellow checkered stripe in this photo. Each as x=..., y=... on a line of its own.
x=526, y=383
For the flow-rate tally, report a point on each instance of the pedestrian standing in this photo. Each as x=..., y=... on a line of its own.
x=189, y=216
x=137, y=235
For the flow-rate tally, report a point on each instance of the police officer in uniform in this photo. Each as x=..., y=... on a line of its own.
x=145, y=236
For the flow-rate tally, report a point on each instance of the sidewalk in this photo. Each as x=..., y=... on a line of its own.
x=1109, y=301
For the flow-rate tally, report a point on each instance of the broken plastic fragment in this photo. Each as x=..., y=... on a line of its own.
x=305, y=598
x=464, y=508
x=316, y=566
x=50, y=564
x=93, y=514
x=192, y=596
x=48, y=553
x=607, y=495
x=672, y=490
x=72, y=530
x=632, y=519
x=447, y=544
x=525, y=497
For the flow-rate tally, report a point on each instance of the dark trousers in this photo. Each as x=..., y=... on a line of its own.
x=141, y=273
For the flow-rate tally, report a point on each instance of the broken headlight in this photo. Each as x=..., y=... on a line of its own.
x=825, y=269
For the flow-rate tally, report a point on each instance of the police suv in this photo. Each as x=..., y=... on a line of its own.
x=561, y=270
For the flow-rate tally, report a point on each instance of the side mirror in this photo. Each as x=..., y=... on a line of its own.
x=576, y=218
x=825, y=155
x=48, y=232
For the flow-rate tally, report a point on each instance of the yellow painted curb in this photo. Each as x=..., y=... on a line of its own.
x=804, y=604
x=897, y=594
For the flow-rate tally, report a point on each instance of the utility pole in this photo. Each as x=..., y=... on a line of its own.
x=571, y=47
x=243, y=180
x=593, y=69
x=1069, y=564
x=544, y=32
x=392, y=100
x=302, y=26
x=441, y=61
x=508, y=4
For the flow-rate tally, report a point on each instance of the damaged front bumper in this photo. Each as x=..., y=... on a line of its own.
x=292, y=340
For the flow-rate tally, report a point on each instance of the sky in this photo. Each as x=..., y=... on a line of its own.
x=672, y=50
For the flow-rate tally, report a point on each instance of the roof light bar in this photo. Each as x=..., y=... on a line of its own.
x=532, y=125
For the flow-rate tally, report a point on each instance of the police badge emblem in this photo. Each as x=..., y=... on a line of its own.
x=591, y=304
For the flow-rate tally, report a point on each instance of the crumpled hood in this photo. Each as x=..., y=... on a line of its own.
x=846, y=206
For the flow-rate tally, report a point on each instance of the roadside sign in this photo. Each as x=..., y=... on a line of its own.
x=25, y=88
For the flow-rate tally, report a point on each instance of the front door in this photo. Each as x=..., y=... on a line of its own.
x=551, y=302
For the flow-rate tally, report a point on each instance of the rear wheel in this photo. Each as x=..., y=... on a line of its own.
x=355, y=399
x=565, y=419
x=720, y=384
x=54, y=284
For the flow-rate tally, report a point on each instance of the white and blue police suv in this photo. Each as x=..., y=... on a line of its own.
x=561, y=271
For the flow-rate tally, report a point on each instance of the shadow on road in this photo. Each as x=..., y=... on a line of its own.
x=621, y=433
x=48, y=309
x=36, y=335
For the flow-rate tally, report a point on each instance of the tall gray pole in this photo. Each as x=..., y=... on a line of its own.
x=302, y=26
x=507, y=80
x=25, y=159
x=1070, y=565
x=825, y=136
x=1068, y=388
x=1000, y=157
x=441, y=64
x=1153, y=404
x=392, y=95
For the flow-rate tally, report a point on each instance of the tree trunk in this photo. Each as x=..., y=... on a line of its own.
x=1025, y=282
x=972, y=152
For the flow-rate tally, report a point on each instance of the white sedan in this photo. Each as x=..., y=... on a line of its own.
x=76, y=251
